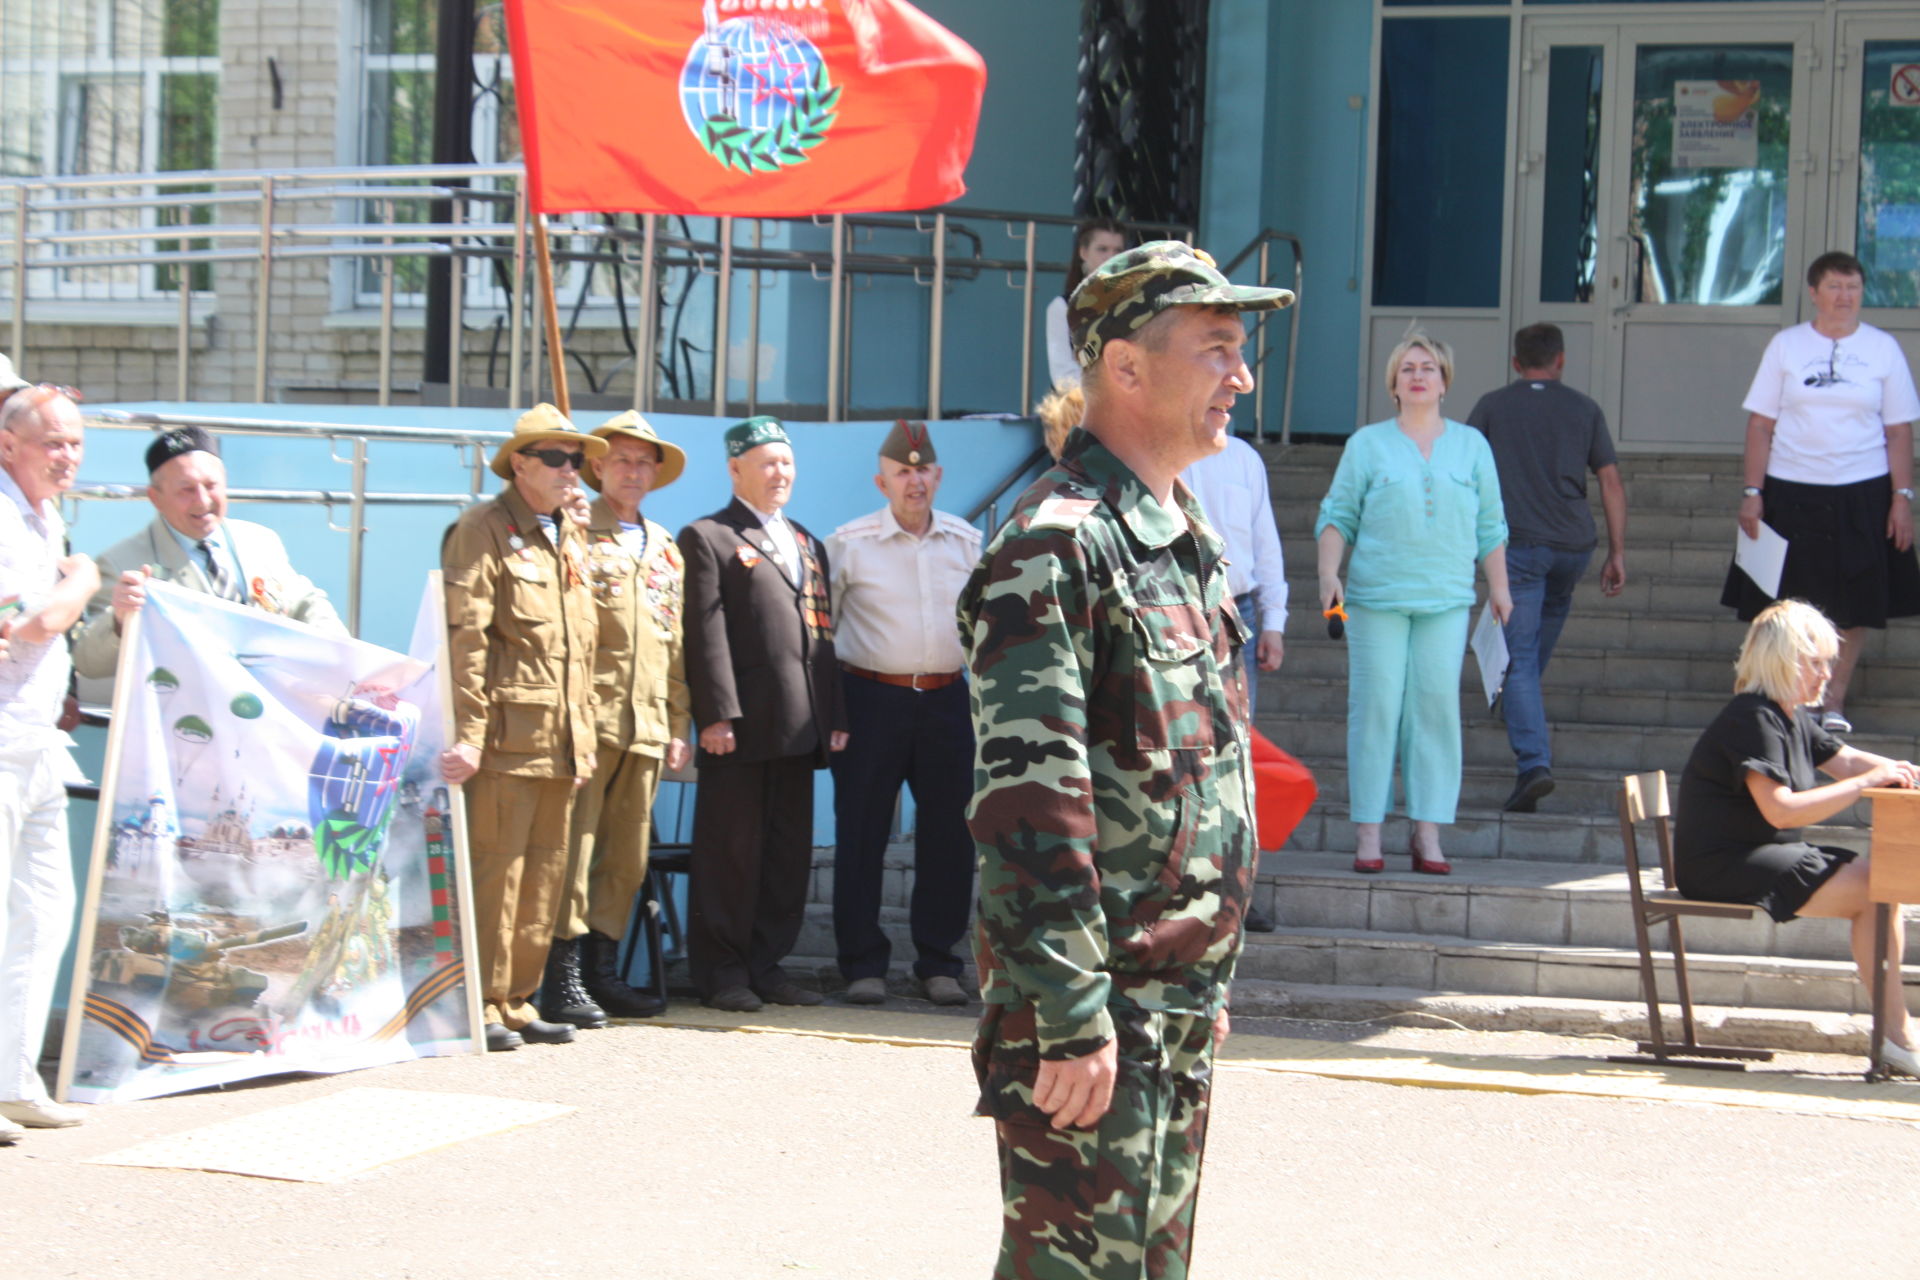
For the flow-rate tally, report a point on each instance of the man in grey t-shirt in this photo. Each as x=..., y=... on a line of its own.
x=1546, y=437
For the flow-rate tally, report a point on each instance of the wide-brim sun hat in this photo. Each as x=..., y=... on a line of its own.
x=543, y=424
x=673, y=459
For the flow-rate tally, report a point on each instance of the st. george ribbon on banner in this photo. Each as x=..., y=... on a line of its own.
x=275, y=882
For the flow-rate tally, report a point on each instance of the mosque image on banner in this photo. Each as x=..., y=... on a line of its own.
x=274, y=885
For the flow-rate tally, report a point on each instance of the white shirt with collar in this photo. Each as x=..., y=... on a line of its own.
x=1232, y=489
x=894, y=594
x=780, y=533
x=33, y=677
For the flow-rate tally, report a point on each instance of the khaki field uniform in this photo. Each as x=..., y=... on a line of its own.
x=641, y=689
x=521, y=631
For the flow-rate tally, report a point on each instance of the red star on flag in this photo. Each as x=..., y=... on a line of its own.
x=762, y=71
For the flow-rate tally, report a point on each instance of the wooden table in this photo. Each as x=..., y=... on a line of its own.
x=1893, y=877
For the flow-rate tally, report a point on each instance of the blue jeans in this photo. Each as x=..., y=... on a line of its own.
x=1542, y=582
x=1249, y=607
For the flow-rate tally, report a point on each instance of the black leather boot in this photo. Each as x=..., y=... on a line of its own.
x=600, y=966
x=562, y=996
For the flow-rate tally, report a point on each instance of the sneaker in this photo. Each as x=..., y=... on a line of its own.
x=1835, y=722
x=9, y=1132
x=42, y=1113
x=867, y=991
x=943, y=990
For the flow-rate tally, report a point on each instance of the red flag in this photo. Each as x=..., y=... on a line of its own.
x=758, y=108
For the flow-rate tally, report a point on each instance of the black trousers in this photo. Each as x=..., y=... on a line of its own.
x=924, y=740
x=752, y=854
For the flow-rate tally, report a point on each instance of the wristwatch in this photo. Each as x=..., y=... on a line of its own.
x=1905, y=493
x=1749, y=492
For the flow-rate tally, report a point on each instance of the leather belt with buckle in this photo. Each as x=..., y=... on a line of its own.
x=920, y=682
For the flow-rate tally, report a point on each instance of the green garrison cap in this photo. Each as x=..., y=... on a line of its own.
x=1134, y=285
x=909, y=444
x=753, y=433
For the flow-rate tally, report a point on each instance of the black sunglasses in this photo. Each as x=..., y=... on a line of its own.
x=557, y=458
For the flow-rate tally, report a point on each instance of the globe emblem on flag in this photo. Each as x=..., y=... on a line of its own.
x=755, y=93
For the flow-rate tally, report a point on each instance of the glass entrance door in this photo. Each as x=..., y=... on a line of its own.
x=1663, y=190
x=1875, y=194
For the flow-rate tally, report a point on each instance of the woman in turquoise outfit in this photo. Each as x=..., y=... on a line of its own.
x=1418, y=500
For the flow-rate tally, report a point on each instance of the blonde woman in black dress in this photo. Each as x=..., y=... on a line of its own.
x=1751, y=784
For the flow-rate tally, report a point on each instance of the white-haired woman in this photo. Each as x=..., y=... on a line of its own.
x=1418, y=499
x=1751, y=784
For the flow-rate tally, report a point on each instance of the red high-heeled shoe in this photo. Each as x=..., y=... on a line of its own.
x=1370, y=866
x=1422, y=866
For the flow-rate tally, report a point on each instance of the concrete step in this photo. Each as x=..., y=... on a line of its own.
x=1532, y=904
x=1558, y=834
x=1435, y=960
x=1570, y=708
x=1581, y=668
x=1620, y=748
x=1445, y=962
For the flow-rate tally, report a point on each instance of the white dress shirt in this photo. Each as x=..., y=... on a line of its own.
x=894, y=595
x=33, y=677
x=1232, y=489
x=1062, y=365
x=786, y=547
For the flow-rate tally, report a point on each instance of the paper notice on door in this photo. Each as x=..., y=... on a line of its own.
x=1716, y=124
x=1762, y=558
x=1489, y=645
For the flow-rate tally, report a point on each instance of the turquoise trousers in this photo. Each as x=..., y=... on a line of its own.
x=1403, y=701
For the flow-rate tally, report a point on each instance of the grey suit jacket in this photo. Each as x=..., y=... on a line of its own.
x=263, y=559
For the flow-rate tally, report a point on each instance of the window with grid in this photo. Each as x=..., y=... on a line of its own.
x=107, y=87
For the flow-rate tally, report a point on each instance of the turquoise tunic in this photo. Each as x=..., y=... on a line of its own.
x=1417, y=525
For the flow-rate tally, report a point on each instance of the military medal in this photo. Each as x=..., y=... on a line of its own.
x=748, y=555
x=517, y=543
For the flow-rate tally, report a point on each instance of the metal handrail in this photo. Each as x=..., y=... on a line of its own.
x=1259, y=245
x=45, y=211
x=989, y=506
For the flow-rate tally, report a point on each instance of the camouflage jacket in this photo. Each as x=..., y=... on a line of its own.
x=1113, y=806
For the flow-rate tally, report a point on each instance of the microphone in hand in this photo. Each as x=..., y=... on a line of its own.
x=1336, y=620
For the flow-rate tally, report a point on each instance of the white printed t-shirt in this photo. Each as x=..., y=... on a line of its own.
x=1831, y=403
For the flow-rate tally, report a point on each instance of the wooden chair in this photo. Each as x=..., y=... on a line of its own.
x=1643, y=798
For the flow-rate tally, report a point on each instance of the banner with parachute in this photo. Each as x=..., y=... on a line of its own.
x=278, y=881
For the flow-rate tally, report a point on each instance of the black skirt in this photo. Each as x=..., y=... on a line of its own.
x=1839, y=558
x=1777, y=877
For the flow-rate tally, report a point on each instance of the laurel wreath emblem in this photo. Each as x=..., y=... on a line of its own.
x=765, y=150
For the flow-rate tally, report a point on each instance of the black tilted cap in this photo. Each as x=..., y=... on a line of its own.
x=174, y=441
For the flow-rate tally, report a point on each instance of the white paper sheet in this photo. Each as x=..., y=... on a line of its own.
x=1489, y=645
x=1761, y=558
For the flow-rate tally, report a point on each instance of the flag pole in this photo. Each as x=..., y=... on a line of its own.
x=556, y=358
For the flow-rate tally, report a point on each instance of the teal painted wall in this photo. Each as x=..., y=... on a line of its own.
x=1314, y=175
x=1286, y=149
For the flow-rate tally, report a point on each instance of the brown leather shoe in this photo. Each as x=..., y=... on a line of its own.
x=733, y=1000
x=787, y=991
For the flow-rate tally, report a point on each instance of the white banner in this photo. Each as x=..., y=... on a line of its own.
x=275, y=885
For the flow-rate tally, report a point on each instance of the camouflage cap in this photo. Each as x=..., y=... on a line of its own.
x=909, y=444
x=1135, y=285
x=754, y=432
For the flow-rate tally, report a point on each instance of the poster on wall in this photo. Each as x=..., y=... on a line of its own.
x=1716, y=124
x=274, y=884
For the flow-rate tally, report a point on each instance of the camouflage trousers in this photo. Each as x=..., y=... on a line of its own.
x=1114, y=1202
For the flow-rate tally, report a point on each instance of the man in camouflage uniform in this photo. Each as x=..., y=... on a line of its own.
x=1113, y=806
